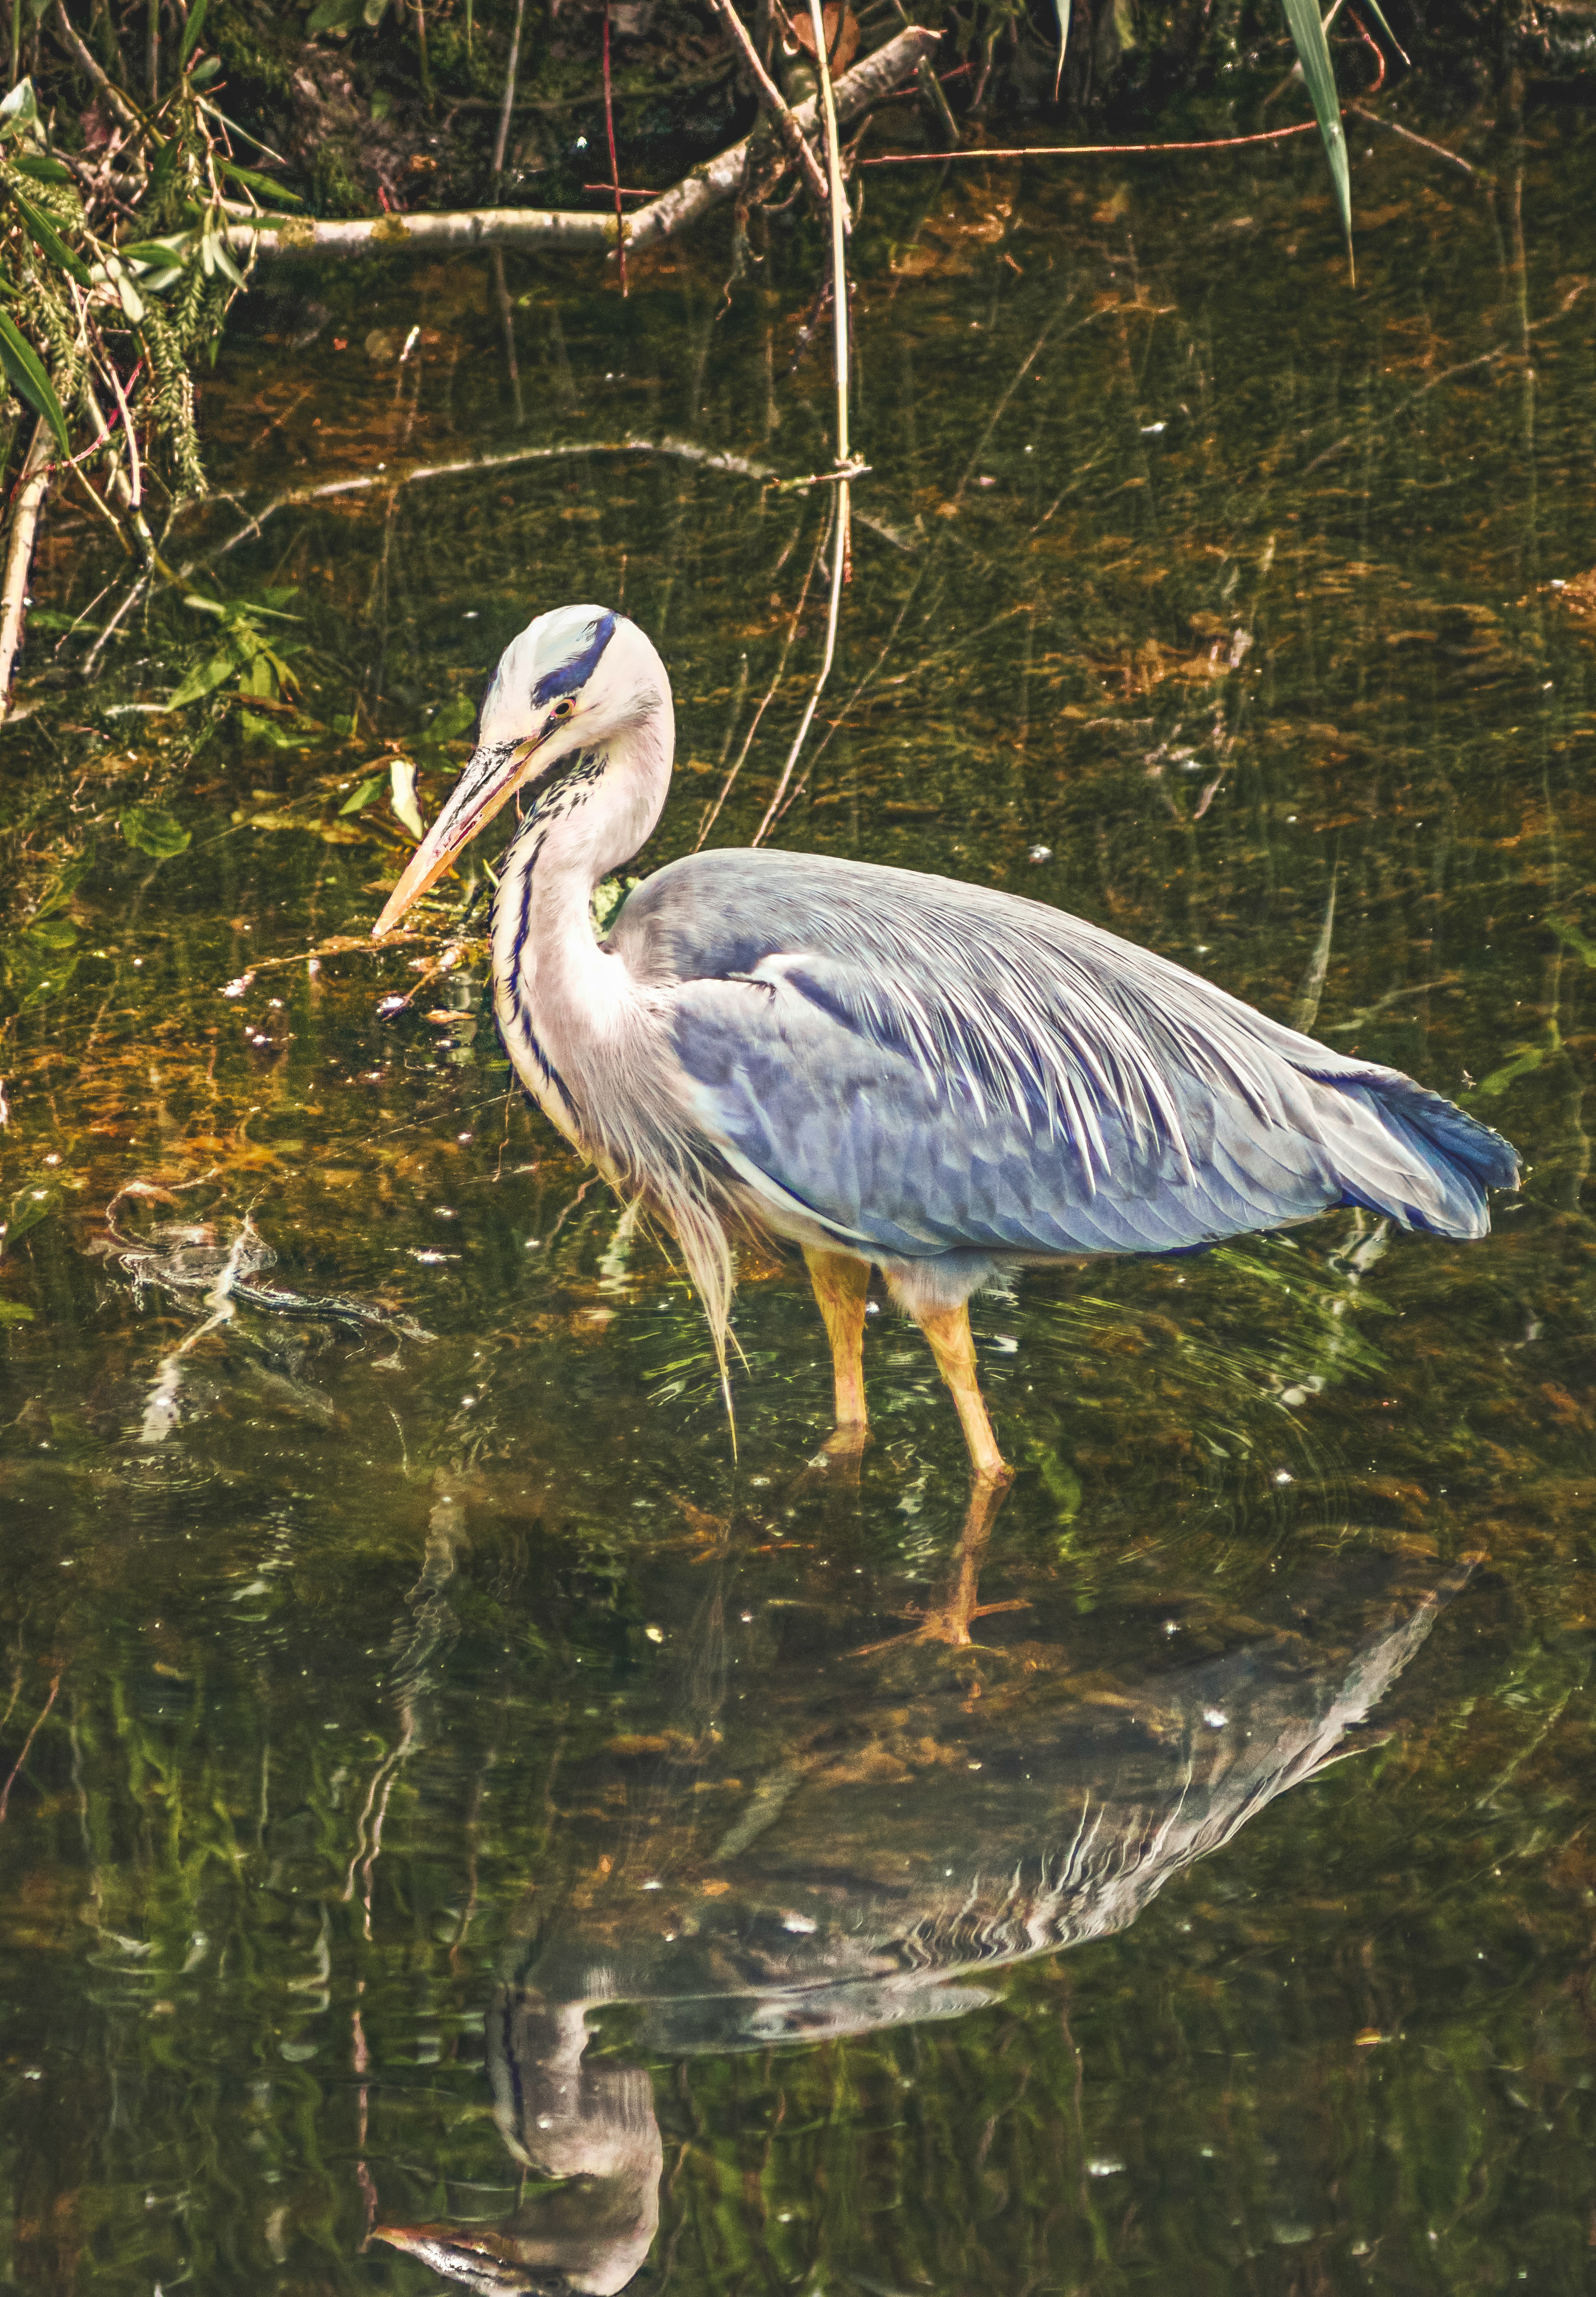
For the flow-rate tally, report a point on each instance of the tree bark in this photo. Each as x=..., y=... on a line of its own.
x=708, y=187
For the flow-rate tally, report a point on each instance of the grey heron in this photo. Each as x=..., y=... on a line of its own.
x=887, y=1069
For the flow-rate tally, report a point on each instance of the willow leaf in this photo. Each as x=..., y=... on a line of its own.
x=1314, y=53
x=50, y=239
x=190, y=32
x=26, y=370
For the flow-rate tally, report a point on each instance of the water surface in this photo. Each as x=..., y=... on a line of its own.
x=440, y=1786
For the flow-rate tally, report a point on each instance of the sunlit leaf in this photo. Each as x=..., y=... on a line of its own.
x=401, y=776
x=152, y=830
x=15, y=1312
x=18, y=111
x=1314, y=53
x=26, y=370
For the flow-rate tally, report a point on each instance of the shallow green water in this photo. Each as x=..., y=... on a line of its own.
x=370, y=1702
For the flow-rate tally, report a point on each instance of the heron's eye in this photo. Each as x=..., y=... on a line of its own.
x=563, y=709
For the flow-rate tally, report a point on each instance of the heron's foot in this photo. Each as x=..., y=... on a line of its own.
x=948, y=1621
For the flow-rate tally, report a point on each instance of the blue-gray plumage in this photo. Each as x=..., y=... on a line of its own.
x=888, y=1069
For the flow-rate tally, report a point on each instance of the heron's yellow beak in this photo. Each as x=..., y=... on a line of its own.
x=476, y=797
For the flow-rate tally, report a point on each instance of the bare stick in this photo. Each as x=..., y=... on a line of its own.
x=503, y=137
x=774, y=102
x=26, y=510
x=609, y=130
x=842, y=459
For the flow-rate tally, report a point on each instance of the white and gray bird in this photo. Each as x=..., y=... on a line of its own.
x=886, y=1069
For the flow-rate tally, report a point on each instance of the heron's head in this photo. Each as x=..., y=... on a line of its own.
x=572, y=680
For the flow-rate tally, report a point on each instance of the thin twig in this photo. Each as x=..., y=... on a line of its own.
x=708, y=823
x=27, y=1750
x=840, y=564
x=503, y=137
x=1085, y=150
x=1438, y=151
x=609, y=130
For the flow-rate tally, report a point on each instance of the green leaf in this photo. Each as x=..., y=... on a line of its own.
x=373, y=11
x=190, y=32
x=23, y=366
x=371, y=787
x=15, y=1312
x=262, y=186
x=42, y=169
x=455, y=718
x=45, y=232
x=203, y=678
x=34, y=1202
x=18, y=111
x=158, y=253
x=1374, y=10
x=334, y=16
x=1313, y=54
x=155, y=831
x=1572, y=938
x=1499, y=1080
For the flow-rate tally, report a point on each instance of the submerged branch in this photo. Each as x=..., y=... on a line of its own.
x=708, y=187
x=680, y=450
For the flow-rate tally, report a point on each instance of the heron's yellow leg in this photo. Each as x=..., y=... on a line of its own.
x=840, y=1285
x=948, y=1330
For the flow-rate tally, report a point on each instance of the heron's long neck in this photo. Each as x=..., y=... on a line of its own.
x=558, y=996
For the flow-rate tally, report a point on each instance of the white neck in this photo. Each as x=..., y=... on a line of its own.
x=559, y=998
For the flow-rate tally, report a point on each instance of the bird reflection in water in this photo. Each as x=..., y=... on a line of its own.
x=887, y=1887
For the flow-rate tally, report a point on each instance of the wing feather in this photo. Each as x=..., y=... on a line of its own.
x=927, y=1065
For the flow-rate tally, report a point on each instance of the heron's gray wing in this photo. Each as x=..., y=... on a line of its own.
x=926, y=1066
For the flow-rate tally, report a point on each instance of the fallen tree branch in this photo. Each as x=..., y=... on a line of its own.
x=27, y=507
x=708, y=187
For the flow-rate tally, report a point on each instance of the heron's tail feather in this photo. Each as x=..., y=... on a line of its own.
x=1445, y=1161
